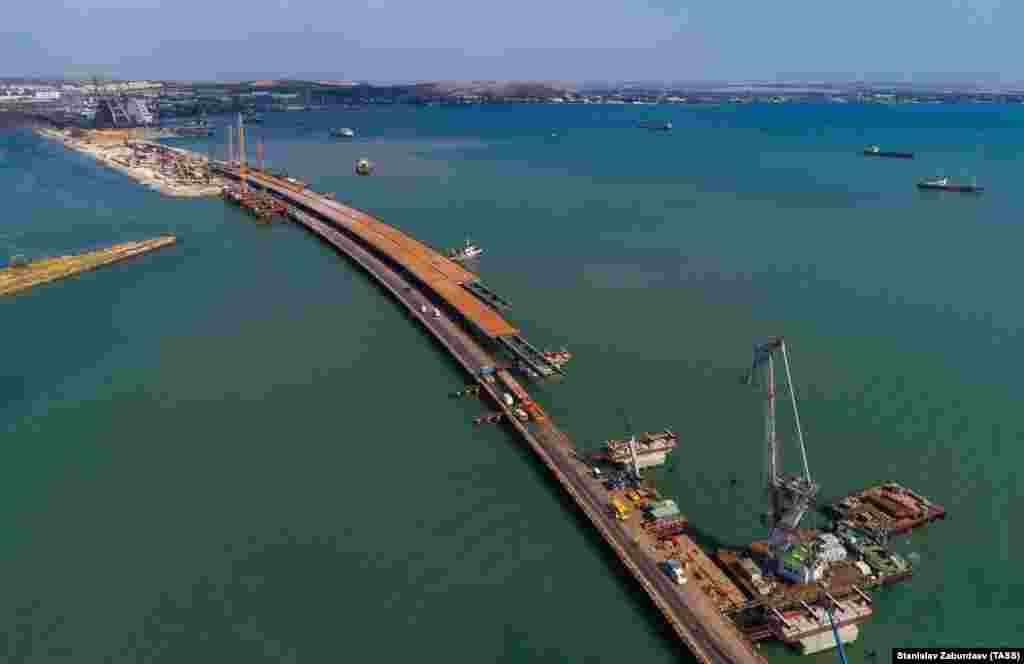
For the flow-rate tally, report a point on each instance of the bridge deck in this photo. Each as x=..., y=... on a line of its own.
x=439, y=273
x=706, y=633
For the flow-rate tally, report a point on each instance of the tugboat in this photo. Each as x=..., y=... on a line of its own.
x=470, y=250
x=943, y=184
x=344, y=132
x=656, y=124
x=875, y=151
x=364, y=167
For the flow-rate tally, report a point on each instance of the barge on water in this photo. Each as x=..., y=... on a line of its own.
x=886, y=509
x=261, y=204
x=810, y=629
x=943, y=184
x=875, y=151
x=643, y=451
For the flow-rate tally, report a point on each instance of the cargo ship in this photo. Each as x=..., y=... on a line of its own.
x=647, y=449
x=875, y=151
x=943, y=184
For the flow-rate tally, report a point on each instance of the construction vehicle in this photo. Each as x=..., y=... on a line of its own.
x=674, y=570
x=534, y=410
x=620, y=509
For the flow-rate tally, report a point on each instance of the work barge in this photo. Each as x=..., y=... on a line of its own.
x=718, y=606
x=886, y=510
x=22, y=275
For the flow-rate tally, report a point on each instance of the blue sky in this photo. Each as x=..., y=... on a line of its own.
x=567, y=40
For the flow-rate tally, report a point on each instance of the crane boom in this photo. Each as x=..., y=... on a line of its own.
x=790, y=496
x=796, y=411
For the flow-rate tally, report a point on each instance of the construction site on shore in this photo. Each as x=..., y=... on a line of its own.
x=171, y=171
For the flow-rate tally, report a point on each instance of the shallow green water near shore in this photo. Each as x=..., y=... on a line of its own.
x=238, y=449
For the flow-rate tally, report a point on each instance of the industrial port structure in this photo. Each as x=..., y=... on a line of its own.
x=790, y=587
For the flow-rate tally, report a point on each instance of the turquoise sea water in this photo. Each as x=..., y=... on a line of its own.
x=239, y=449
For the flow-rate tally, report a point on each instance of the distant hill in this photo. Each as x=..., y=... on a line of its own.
x=492, y=89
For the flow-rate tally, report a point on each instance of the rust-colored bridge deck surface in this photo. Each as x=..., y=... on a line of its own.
x=438, y=272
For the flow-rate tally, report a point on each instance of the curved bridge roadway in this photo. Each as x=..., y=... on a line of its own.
x=708, y=635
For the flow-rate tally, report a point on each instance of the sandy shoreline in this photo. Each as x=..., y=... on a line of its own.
x=118, y=157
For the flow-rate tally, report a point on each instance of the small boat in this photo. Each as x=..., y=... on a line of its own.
x=470, y=250
x=656, y=124
x=252, y=117
x=344, y=132
x=193, y=130
x=364, y=167
x=943, y=184
x=875, y=151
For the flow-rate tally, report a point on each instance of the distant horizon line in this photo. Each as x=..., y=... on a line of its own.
x=619, y=83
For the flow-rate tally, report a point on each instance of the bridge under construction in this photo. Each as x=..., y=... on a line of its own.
x=461, y=290
x=413, y=272
x=709, y=612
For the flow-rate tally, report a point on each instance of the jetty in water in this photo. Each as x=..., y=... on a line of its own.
x=21, y=276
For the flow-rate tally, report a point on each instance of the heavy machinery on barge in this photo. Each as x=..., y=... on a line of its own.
x=643, y=451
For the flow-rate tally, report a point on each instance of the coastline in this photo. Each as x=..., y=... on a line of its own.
x=114, y=156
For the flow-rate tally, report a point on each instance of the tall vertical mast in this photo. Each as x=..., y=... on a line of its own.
x=231, y=146
x=241, y=154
